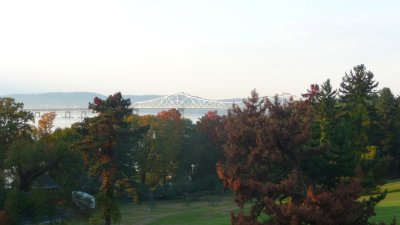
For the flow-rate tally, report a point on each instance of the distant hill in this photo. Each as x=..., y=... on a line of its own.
x=67, y=99
x=139, y=98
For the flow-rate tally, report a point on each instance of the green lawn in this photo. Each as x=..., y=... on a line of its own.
x=203, y=212
x=390, y=206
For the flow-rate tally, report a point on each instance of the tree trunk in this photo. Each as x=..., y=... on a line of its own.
x=24, y=181
x=24, y=185
x=107, y=220
x=143, y=178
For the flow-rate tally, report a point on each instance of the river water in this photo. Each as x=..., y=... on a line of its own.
x=63, y=120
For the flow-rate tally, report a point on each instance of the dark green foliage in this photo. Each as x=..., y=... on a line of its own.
x=331, y=129
x=14, y=122
x=388, y=133
x=356, y=93
x=358, y=96
x=326, y=112
x=29, y=161
x=273, y=165
x=35, y=206
x=106, y=149
x=358, y=86
x=202, y=149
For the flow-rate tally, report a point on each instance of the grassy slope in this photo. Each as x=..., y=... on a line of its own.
x=202, y=212
x=390, y=206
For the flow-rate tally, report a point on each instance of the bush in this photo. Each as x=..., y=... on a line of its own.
x=36, y=205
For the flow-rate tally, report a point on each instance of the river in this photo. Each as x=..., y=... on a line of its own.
x=61, y=121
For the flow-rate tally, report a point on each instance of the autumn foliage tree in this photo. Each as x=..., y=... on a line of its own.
x=209, y=127
x=169, y=131
x=45, y=124
x=104, y=144
x=267, y=147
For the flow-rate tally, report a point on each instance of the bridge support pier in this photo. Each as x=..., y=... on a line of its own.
x=68, y=114
x=37, y=114
x=182, y=111
x=83, y=114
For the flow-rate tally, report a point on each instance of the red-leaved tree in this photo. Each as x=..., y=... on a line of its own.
x=267, y=143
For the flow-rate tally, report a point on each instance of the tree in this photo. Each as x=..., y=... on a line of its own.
x=356, y=92
x=358, y=86
x=45, y=124
x=357, y=96
x=326, y=112
x=388, y=111
x=145, y=153
x=29, y=159
x=14, y=123
x=209, y=128
x=169, y=131
x=330, y=130
x=267, y=146
x=107, y=142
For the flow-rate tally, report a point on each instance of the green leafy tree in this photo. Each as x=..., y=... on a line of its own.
x=169, y=132
x=145, y=153
x=14, y=121
x=209, y=150
x=14, y=124
x=29, y=159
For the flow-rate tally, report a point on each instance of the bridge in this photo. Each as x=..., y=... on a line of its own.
x=179, y=101
x=66, y=110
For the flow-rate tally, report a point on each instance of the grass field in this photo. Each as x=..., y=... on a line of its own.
x=200, y=212
x=390, y=206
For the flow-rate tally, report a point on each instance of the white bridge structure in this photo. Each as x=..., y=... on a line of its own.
x=179, y=101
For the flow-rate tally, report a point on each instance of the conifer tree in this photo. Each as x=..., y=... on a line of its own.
x=267, y=148
x=104, y=145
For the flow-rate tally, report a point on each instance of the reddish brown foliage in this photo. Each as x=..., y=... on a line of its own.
x=4, y=218
x=211, y=124
x=266, y=145
x=172, y=114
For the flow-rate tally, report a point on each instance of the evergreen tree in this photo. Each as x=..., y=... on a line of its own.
x=267, y=147
x=388, y=134
x=326, y=112
x=357, y=92
x=331, y=130
x=358, y=86
x=106, y=143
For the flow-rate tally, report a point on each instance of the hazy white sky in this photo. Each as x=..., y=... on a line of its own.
x=210, y=48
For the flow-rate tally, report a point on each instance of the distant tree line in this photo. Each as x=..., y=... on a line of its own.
x=306, y=161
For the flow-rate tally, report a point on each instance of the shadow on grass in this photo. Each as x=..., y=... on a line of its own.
x=386, y=214
x=393, y=190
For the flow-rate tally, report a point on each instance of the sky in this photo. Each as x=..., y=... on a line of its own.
x=214, y=49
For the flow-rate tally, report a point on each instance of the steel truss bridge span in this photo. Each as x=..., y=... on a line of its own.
x=181, y=100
